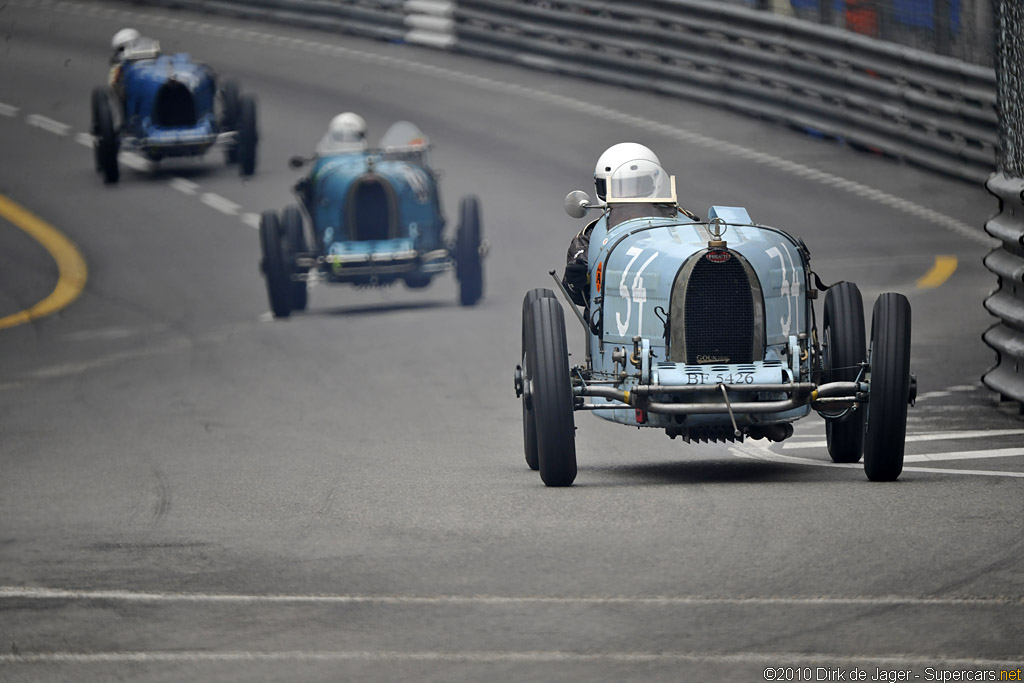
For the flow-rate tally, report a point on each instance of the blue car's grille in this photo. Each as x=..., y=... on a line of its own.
x=174, y=106
x=719, y=313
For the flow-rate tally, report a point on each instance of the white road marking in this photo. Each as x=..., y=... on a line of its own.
x=913, y=438
x=215, y=201
x=762, y=453
x=251, y=219
x=39, y=593
x=491, y=656
x=966, y=455
x=184, y=186
x=933, y=394
x=134, y=161
x=47, y=124
x=8, y=110
x=267, y=317
x=577, y=105
x=84, y=139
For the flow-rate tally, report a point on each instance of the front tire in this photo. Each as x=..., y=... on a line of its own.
x=295, y=239
x=529, y=417
x=275, y=269
x=890, y=388
x=551, y=392
x=247, y=136
x=845, y=349
x=230, y=94
x=105, y=140
x=469, y=267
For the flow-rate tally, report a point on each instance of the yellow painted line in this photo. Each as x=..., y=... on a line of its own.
x=71, y=270
x=944, y=267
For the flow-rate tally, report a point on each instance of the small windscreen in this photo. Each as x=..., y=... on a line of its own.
x=403, y=136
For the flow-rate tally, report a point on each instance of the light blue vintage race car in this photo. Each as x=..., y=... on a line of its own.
x=370, y=217
x=708, y=331
x=170, y=106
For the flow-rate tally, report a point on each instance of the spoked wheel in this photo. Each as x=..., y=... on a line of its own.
x=230, y=93
x=247, y=135
x=469, y=266
x=890, y=388
x=275, y=270
x=295, y=240
x=529, y=418
x=844, y=349
x=105, y=142
x=551, y=392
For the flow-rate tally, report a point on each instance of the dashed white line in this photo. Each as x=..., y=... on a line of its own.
x=84, y=139
x=251, y=219
x=935, y=436
x=184, y=186
x=47, y=124
x=218, y=203
x=133, y=161
x=8, y=110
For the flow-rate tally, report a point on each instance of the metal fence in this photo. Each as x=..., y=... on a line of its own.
x=964, y=29
x=1007, y=303
x=934, y=111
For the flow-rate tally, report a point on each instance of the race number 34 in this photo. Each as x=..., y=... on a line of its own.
x=635, y=295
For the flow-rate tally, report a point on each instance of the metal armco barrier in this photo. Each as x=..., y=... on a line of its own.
x=427, y=22
x=933, y=111
x=1007, y=302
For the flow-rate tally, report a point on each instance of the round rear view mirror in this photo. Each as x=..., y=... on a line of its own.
x=576, y=203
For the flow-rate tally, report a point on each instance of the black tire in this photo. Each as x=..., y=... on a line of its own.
x=230, y=97
x=551, y=392
x=105, y=140
x=844, y=349
x=469, y=266
x=886, y=432
x=275, y=269
x=295, y=240
x=248, y=136
x=529, y=419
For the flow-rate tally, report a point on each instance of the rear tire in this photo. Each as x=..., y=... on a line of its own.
x=551, y=392
x=105, y=140
x=844, y=349
x=890, y=388
x=247, y=136
x=529, y=418
x=469, y=267
x=295, y=240
x=275, y=269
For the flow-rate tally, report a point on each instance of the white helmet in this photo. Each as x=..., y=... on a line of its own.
x=612, y=158
x=124, y=38
x=346, y=133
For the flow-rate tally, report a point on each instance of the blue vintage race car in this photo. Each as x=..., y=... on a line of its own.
x=170, y=106
x=369, y=218
x=708, y=331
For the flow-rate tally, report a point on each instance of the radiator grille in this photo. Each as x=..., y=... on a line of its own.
x=719, y=314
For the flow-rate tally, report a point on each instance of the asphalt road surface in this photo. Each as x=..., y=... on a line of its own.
x=190, y=490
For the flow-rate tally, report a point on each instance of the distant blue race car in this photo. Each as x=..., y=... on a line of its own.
x=708, y=331
x=369, y=218
x=170, y=106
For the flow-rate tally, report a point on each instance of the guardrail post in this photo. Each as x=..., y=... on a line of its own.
x=1007, y=302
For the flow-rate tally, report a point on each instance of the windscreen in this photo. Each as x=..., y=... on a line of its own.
x=403, y=136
